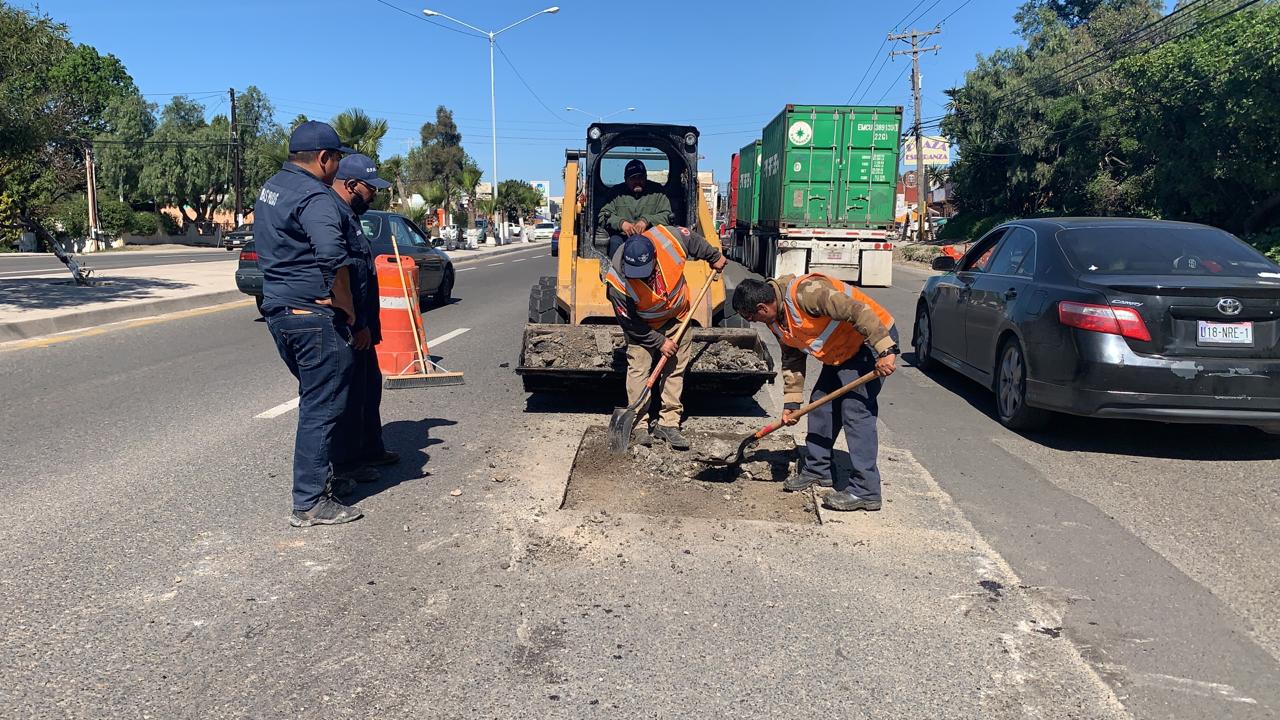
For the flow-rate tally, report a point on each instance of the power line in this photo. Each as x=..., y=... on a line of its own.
x=926, y=12
x=428, y=21
x=526, y=85
x=953, y=12
x=874, y=55
x=874, y=78
x=910, y=12
x=890, y=87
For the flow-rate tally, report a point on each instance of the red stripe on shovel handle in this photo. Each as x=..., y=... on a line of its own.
x=657, y=370
x=768, y=429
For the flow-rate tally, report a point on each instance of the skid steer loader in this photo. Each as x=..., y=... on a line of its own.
x=572, y=342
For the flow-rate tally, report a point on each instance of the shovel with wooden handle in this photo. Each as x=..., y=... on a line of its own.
x=624, y=419
x=751, y=440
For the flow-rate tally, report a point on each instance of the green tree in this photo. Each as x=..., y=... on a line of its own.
x=517, y=199
x=54, y=97
x=440, y=156
x=260, y=136
x=188, y=162
x=360, y=132
x=470, y=180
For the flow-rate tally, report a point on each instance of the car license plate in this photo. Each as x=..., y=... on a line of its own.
x=1214, y=333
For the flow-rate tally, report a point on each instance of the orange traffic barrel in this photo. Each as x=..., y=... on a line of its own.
x=398, y=312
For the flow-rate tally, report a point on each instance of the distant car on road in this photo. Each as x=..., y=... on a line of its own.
x=238, y=237
x=542, y=231
x=435, y=270
x=555, y=242
x=1109, y=317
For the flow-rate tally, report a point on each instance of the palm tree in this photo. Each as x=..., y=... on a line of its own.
x=361, y=132
x=470, y=179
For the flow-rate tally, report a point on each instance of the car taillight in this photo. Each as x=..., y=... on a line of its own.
x=1104, y=319
x=555, y=235
x=248, y=256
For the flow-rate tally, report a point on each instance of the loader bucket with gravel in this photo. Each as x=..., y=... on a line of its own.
x=593, y=359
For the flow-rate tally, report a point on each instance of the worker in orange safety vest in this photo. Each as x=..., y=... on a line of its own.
x=646, y=287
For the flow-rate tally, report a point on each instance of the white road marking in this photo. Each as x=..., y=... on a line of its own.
x=520, y=260
x=495, y=264
x=278, y=410
x=291, y=405
x=466, y=269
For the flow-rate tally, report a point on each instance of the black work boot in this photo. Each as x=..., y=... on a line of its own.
x=642, y=436
x=845, y=501
x=386, y=457
x=671, y=436
x=326, y=512
x=799, y=482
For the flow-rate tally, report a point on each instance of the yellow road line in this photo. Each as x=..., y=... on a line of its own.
x=47, y=340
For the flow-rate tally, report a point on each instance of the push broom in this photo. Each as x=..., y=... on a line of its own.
x=429, y=373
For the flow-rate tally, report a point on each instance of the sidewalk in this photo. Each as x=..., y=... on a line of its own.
x=49, y=302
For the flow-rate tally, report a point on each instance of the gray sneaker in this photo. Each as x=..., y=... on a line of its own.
x=326, y=512
x=671, y=436
x=643, y=436
x=799, y=482
x=845, y=501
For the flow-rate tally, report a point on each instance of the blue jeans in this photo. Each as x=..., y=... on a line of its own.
x=857, y=412
x=359, y=433
x=317, y=350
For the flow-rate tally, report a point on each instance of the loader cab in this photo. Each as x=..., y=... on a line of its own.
x=670, y=155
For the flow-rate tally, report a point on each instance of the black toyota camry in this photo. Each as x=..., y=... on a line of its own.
x=1110, y=317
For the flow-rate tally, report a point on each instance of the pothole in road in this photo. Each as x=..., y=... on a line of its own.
x=660, y=481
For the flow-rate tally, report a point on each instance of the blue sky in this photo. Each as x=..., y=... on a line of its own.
x=726, y=67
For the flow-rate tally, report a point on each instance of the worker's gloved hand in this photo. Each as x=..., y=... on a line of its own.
x=886, y=365
x=669, y=347
x=790, y=417
x=719, y=264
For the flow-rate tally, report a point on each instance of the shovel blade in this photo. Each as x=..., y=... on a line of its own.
x=620, y=427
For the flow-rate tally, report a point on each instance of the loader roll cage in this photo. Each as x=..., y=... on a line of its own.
x=676, y=144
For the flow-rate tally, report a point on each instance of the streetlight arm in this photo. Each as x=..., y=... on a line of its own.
x=540, y=12
x=617, y=112
x=433, y=13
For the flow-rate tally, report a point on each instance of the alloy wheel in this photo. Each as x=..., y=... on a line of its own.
x=1012, y=390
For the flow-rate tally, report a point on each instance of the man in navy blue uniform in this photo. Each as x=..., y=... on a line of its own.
x=358, y=443
x=301, y=231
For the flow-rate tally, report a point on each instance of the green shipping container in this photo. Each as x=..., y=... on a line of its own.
x=829, y=166
x=749, y=184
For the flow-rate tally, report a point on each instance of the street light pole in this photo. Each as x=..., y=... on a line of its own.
x=499, y=229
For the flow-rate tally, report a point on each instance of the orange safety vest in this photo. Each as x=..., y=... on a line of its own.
x=653, y=308
x=830, y=341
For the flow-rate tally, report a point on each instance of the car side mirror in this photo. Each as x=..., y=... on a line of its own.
x=437, y=242
x=945, y=263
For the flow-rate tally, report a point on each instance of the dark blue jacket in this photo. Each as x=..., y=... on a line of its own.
x=364, y=278
x=302, y=239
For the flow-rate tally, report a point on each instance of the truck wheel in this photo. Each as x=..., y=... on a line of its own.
x=542, y=305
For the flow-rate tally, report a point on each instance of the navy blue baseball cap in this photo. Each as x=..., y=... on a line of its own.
x=315, y=135
x=362, y=168
x=635, y=167
x=638, y=257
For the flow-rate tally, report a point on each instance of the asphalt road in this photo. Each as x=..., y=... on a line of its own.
x=16, y=266
x=149, y=570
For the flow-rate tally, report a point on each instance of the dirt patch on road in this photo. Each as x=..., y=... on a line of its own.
x=605, y=349
x=660, y=481
x=724, y=355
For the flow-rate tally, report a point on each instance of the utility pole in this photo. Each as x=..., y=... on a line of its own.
x=922, y=176
x=237, y=173
x=91, y=184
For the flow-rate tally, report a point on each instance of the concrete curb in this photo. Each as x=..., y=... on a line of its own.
x=26, y=329
x=505, y=250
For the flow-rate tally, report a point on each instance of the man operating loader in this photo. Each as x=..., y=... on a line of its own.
x=851, y=335
x=646, y=286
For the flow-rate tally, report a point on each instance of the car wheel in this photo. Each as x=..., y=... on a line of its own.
x=444, y=293
x=922, y=339
x=1011, y=391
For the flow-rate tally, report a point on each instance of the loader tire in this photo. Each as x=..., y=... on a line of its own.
x=542, y=304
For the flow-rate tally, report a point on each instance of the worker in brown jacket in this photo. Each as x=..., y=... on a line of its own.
x=851, y=335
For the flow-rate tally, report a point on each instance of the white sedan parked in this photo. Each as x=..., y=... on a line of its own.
x=542, y=232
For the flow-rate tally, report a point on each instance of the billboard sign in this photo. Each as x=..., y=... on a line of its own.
x=937, y=151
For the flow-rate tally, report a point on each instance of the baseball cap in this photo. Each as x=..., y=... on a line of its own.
x=635, y=167
x=315, y=135
x=362, y=168
x=638, y=257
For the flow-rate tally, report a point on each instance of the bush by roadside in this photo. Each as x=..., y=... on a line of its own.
x=920, y=253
